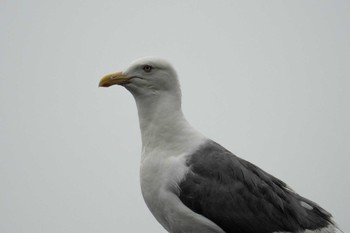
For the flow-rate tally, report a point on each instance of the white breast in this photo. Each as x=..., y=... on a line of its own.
x=159, y=177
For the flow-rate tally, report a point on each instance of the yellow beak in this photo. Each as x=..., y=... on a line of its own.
x=113, y=79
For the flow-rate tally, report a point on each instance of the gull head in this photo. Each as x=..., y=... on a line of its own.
x=149, y=76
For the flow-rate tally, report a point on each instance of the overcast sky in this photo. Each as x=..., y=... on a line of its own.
x=269, y=80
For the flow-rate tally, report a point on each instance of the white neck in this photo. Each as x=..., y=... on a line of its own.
x=163, y=125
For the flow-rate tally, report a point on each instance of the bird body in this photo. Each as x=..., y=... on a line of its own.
x=192, y=184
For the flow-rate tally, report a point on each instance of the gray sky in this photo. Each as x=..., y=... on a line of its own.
x=269, y=80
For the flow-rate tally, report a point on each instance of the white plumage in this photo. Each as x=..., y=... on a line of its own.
x=192, y=184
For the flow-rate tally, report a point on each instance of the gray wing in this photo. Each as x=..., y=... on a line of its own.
x=240, y=197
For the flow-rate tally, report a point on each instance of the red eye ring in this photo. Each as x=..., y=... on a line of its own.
x=147, y=68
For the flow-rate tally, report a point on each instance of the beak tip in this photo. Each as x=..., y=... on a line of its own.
x=103, y=84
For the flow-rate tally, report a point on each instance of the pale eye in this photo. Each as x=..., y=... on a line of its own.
x=147, y=68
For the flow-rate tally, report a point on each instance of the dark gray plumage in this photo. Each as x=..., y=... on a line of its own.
x=240, y=197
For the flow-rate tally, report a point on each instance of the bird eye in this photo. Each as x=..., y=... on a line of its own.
x=147, y=68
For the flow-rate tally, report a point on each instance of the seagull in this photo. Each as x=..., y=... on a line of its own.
x=192, y=184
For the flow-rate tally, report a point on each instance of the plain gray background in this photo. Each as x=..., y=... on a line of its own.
x=269, y=80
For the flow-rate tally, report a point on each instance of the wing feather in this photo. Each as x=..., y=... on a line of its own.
x=240, y=197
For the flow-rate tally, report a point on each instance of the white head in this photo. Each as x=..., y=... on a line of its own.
x=153, y=83
x=146, y=77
